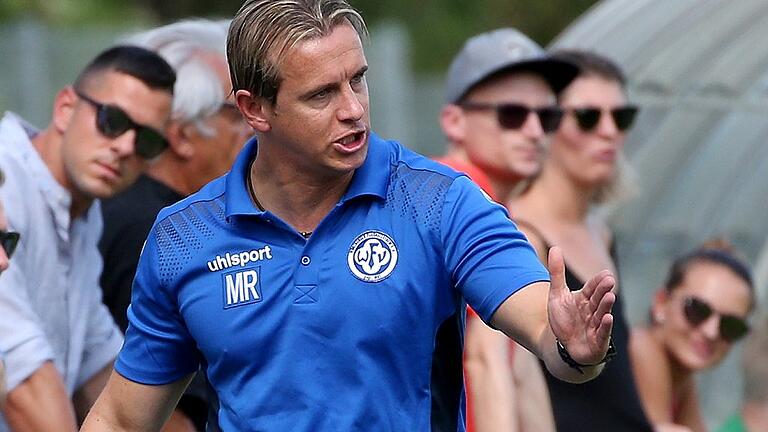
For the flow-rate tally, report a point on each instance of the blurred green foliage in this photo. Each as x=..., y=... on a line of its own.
x=437, y=28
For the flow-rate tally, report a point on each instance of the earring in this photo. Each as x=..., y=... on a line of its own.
x=658, y=316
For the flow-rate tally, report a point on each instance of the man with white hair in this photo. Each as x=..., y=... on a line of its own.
x=205, y=134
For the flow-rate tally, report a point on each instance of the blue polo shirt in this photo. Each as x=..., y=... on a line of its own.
x=358, y=328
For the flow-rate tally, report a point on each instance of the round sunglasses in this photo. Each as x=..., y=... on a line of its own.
x=9, y=240
x=696, y=311
x=111, y=121
x=513, y=116
x=589, y=117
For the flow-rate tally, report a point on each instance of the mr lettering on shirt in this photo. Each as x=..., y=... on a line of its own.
x=241, y=286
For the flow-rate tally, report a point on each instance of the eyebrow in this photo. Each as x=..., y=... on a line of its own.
x=331, y=85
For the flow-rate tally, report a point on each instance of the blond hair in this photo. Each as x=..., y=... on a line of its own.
x=263, y=31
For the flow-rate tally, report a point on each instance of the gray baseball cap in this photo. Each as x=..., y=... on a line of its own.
x=500, y=50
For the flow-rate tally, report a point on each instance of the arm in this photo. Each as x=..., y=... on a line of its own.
x=125, y=405
x=2, y=383
x=491, y=387
x=581, y=320
x=86, y=395
x=534, y=408
x=41, y=392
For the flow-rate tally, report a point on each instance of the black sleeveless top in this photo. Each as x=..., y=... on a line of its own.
x=609, y=402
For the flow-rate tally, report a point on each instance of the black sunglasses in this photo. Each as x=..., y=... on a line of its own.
x=112, y=122
x=513, y=116
x=588, y=117
x=9, y=240
x=732, y=328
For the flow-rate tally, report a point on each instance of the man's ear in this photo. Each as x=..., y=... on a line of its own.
x=63, y=108
x=453, y=123
x=178, y=140
x=255, y=109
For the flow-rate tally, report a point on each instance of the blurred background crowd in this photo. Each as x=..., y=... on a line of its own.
x=696, y=69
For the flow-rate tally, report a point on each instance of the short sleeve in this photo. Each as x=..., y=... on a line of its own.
x=488, y=257
x=158, y=348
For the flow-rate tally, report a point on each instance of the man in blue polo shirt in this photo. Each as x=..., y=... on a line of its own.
x=322, y=283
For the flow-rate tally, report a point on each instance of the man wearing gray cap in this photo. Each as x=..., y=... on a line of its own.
x=494, y=84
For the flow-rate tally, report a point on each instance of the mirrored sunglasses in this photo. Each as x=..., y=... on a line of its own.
x=9, y=240
x=732, y=328
x=589, y=117
x=513, y=116
x=112, y=122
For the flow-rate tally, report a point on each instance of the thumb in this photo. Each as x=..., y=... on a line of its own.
x=556, y=268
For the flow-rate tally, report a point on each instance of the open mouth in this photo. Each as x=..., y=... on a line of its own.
x=352, y=142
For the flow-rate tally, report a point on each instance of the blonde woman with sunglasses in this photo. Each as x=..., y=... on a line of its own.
x=579, y=172
x=698, y=314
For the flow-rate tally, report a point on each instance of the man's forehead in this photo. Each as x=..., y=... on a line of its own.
x=130, y=94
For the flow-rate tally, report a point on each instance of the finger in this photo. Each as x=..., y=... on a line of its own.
x=603, y=332
x=556, y=272
x=603, y=308
x=605, y=286
x=589, y=288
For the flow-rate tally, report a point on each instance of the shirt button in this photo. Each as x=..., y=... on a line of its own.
x=305, y=260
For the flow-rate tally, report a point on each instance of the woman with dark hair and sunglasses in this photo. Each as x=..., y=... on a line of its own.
x=8, y=239
x=581, y=170
x=696, y=316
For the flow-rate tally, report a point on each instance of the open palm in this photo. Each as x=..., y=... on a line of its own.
x=582, y=319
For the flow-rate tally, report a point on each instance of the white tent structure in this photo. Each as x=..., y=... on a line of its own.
x=699, y=70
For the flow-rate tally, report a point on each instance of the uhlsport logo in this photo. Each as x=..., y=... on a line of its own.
x=372, y=256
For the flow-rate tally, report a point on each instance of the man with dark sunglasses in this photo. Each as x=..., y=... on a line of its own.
x=500, y=105
x=205, y=134
x=58, y=339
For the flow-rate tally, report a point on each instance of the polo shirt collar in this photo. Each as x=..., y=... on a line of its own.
x=238, y=200
x=371, y=179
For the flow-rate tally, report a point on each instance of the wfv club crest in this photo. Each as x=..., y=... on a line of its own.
x=372, y=256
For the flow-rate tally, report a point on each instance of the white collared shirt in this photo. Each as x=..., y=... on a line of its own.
x=50, y=300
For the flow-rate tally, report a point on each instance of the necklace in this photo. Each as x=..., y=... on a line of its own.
x=251, y=192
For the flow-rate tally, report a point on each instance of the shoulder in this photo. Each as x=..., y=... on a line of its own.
x=211, y=195
x=645, y=349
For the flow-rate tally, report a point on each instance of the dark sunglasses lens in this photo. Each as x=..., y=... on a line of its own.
x=149, y=143
x=732, y=328
x=550, y=118
x=9, y=242
x=512, y=116
x=112, y=121
x=624, y=117
x=587, y=118
x=696, y=311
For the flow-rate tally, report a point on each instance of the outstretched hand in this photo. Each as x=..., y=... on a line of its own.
x=582, y=319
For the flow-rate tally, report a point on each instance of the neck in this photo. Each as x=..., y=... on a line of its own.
x=755, y=415
x=48, y=144
x=296, y=196
x=174, y=174
x=560, y=197
x=504, y=187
